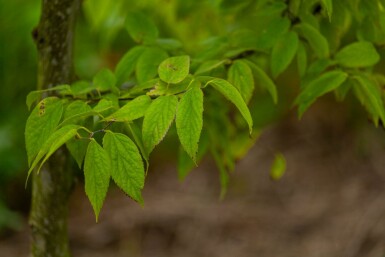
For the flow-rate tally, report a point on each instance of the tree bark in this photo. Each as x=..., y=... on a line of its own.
x=52, y=187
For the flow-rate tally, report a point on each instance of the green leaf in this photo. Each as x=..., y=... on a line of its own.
x=318, y=87
x=356, y=55
x=278, y=167
x=78, y=149
x=233, y=95
x=104, y=105
x=277, y=27
x=59, y=138
x=132, y=110
x=104, y=80
x=316, y=40
x=301, y=59
x=174, y=69
x=97, y=167
x=241, y=76
x=74, y=109
x=148, y=62
x=127, y=64
x=81, y=88
x=208, y=66
x=329, y=7
x=263, y=80
x=283, y=53
x=126, y=163
x=77, y=112
x=34, y=96
x=189, y=119
x=55, y=140
x=41, y=124
x=141, y=28
x=169, y=43
x=157, y=120
x=370, y=96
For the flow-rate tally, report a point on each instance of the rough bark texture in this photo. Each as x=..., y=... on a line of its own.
x=52, y=187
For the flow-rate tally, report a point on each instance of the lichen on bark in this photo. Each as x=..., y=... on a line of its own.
x=52, y=187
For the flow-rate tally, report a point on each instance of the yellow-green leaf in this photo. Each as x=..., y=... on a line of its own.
x=318, y=87
x=41, y=124
x=55, y=140
x=316, y=40
x=148, y=62
x=356, y=55
x=370, y=96
x=278, y=167
x=263, y=80
x=132, y=110
x=174, y=69
x=189, y=120
x=241, y=76
x=233, y=95
x=283, y=53
x=97, y=168
x=157, y=120
x=126, y=164
x=126, y=65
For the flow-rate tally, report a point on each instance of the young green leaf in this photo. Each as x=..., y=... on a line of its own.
x=264, y=80
x=329, y=7
x=132, y=110
x=104, y=80
x=318, y=87
x=148, y=62
x=59, y=138
x=241, y=76
x=126, y=65
x=278, y=167
x=126, y=163
x=41, y=124
x=283, y=53
x=233, y=95
x=141, y=28
x=174, y=69
x=316, y=40
x=189, y=120
x=97, y=167
x=370, y=96
x=157, y=120
x=356, y=55
x=55, y=140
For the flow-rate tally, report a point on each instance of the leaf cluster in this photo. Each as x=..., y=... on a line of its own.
x=111, y=124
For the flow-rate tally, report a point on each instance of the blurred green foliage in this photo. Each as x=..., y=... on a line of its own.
x=17, y=77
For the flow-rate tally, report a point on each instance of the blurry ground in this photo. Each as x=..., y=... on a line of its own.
x=330, y=203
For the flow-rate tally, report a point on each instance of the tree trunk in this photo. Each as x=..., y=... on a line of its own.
x=52, y=187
